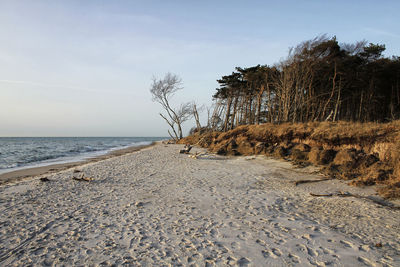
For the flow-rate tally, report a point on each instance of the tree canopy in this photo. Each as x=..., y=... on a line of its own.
x=319, y=80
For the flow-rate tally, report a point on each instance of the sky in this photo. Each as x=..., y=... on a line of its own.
x=84, y=68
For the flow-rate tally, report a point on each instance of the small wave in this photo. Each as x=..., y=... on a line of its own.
x=84, y=149
x=9, y=166
x=31, y=159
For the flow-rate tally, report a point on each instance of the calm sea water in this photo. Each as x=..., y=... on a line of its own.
x=23, y=152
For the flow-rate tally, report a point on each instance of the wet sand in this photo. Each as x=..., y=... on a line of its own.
x=157, y=207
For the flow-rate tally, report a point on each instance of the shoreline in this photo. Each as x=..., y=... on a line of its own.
x=30, y=172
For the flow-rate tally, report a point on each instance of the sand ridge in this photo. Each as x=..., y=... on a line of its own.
x=159, y=207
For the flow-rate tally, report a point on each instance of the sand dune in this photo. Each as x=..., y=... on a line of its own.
x=159, y=207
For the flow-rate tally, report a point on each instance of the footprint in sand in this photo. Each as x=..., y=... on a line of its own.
x=134, y=241
x=327, y=250
x=269, y=234
x=214, y=232
x=235, y=245
x=243, y=235
x=276, y=252
x=40, y=251
x=222, y=248
x=302, y=248
x=347, y=244
x=305, y=249
x=265, y=253
x=365, y=248
x=190, y=260
x=233, y=224
x=294, y=258
x=365, y=261
x=261, y=242
x=317, y=263
x=312, y=252
x=243, y=262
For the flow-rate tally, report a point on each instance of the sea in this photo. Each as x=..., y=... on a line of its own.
x=25, y=152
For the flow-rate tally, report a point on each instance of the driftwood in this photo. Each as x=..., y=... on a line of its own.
x=186, y=149
x=321, y=195
x=83, y=178
x=198, y=154
x=310, y=181
x=347, y=194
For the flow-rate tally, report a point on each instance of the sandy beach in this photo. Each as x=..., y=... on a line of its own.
x=28, y=172
x=156, y=207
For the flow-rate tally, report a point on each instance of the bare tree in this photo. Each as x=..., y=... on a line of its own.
x=183, y=113
x=162, y=90
x=196, y=116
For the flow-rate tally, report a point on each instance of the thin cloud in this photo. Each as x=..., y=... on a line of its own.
x=382, y=32
x=76, y=88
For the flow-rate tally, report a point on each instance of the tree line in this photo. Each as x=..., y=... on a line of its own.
x=319, y=80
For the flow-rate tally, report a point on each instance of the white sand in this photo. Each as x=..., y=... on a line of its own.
x=158, y=207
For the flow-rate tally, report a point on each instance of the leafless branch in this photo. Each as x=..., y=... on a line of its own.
x=162, y=90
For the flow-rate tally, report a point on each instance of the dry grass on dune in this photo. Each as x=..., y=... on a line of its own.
x=363, y=153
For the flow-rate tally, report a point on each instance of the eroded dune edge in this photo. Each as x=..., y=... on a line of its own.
x=363, y=154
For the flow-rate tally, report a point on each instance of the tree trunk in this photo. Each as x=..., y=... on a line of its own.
x=259, y=98
x=332, y=93
x=228, y=111
x=196, y=117
x=337, y=100
x=234, y=115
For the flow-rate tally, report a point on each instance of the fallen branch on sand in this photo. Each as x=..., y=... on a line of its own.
x=347, y=194
x=321, y=195
x=310, y=181
x=83, y=178
x=198, y=154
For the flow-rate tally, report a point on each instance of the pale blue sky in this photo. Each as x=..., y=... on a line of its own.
x=83, y=68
